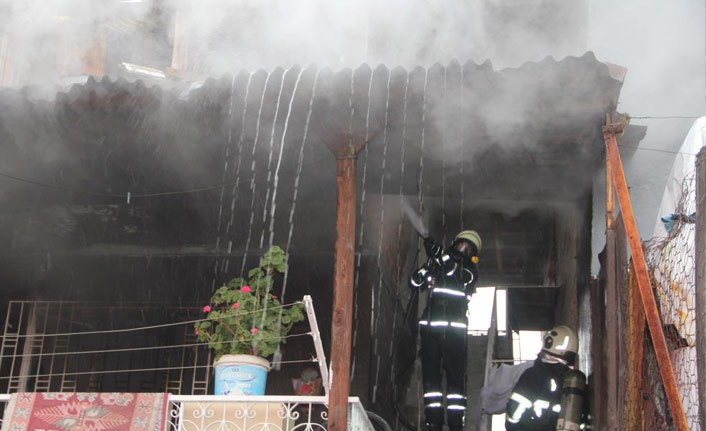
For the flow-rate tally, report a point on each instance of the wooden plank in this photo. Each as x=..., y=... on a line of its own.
x=700, y=247
x=597, y=384
x=648, y=301
x=611, y=311
x=636, y=343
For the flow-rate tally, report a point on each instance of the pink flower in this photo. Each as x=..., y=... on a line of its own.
x=246, y=289
x=274, y=296
x=254, y=331
x=196, y=331
x=206, y=309
x=236, y=305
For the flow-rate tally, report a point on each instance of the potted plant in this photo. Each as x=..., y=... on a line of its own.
x=245, y=324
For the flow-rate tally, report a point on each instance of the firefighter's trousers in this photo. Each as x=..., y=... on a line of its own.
x=444, y=352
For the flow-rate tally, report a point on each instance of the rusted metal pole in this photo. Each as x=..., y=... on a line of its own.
x=648, y=301
x=611, y=315
x=700, y=247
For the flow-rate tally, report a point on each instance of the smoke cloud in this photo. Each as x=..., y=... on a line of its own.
x=222, y=36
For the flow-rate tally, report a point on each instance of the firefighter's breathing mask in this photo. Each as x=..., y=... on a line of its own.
x=465, y=248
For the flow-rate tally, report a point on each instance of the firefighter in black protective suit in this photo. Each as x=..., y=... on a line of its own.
x=550, y=394
x=450, y=276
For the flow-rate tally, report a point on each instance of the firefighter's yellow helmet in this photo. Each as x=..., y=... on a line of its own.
x=562, y=342
x=472, y=236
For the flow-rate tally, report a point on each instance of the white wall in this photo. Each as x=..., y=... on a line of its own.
x=662, y=45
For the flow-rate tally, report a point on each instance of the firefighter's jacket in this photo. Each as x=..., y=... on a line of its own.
x=535, y=402
x=450, y=278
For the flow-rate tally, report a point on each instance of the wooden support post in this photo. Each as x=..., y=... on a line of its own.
x=180, y=47
x=94, y=57
x=638, y=257
x=597, y=337
x=341, y=324
x=700, y=247
x=5, y=59
x=611, y=312
x=636, y=340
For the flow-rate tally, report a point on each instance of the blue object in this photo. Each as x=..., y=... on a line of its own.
x=669, y=220
x=241, y=379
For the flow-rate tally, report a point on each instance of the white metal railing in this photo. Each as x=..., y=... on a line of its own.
x=253, y=413
x=258, y=413
x=4, y=398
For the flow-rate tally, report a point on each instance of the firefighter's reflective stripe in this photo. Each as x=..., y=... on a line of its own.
x=456, y=407
x=469, y=275
x=415, y=284
x=553, y=385
x=455, y=397
x=540, y=406
x=439, y=323
x=523, y=404
x=433, y=399
x=445, y=291
x=564, y=344
x=556, y=408
x=435, y=323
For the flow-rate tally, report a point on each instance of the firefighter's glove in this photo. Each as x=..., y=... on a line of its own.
x=431, y=247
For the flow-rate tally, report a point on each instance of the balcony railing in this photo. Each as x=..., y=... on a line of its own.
x=253, y=413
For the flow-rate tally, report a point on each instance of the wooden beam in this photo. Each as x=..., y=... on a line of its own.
x=636, y=340
x=597, y=336
x=343, y=295
x=700, y=247
x=611, y=307
x=346, y=148
x=5, y=59
x=180, y=47
x=94, y=56
x=648, y=301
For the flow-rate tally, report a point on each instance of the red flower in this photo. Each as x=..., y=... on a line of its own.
x=196, y=331
x=274, y=296
x=246, y=289
x=236, y=305
x=206, y=309
x=254, y=331
x=305, y=389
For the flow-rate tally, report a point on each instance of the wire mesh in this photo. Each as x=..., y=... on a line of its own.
x=671, y=262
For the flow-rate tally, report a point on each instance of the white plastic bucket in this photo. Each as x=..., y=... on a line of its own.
x=240, y=375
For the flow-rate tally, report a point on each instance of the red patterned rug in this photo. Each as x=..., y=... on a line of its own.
x=85, y=411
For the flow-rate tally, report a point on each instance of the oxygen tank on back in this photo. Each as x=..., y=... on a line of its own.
x=572, y=399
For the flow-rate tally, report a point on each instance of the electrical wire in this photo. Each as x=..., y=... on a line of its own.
x=130, y=195
x=657, y=150
x=138, y=349
x=143, y=328
x=666, y=117
x=134, y=370
x=113, y=195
